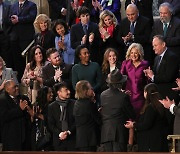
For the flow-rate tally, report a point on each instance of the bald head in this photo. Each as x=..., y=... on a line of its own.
x=132, y=12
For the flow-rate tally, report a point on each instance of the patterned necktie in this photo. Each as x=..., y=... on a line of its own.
x=132, y=27
x=85, y=29
x=165, y=28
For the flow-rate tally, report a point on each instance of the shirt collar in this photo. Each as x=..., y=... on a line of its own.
x=162, y=54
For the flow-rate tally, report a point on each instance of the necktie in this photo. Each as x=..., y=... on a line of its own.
x=20, y=7
x=132, y=27
x=85, y=29
x=165, y=28
x=158, y=63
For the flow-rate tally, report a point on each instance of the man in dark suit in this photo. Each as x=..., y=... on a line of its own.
x=12, y=118
x=135, y=28
x=86, y=32
x=115, y=113
x=165, y=70
x=61, y=120
x=169, y=27
x=56, y=70
x=22, y=16
x=174, y=109
x=4, y=31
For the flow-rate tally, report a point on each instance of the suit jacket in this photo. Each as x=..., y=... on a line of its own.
x=76, y=37
x=55, y=7
x=87, y=121
x=55, y=124
x=116, y=110
x=166, y=75
x=48, y=73
x=142, y=33
x=24, y=29
x=172, y=35
x=13, y=124
x=5, y=17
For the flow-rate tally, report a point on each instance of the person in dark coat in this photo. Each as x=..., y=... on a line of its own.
x=116, y=109
x=61, y=121
x=21, y=17
x=87, y=118
x=56, y=70
x=13, y=119
x=151, y=135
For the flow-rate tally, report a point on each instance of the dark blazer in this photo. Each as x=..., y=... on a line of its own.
x=116, y=110
x=55, y=125
x=5, y=18
x=13, y=124
x=142, y=33
x=24, y=29
x=87, y=121
x=55, y=7
x=172, y=37
x=48, y=73
x=150, y=131
x=76, y=37
x=144, y=7
x=166, y=75
x=46, y=40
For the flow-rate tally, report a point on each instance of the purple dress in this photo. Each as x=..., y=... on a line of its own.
x=135, y=82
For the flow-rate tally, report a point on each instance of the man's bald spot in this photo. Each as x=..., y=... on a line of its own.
x=132, y=7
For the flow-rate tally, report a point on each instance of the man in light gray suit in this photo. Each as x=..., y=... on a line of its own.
x=174, y=109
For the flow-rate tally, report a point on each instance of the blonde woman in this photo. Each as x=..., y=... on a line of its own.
x=108, y=28
x=133, y=67
x=44, y=37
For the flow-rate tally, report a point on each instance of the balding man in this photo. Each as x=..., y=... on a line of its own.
x=169, y=27
x=12, y=118
x=135, y=28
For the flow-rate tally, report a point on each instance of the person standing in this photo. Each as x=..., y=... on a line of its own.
x=87, y=118
x=61, y=121
x=116, y=110
x=22, y=15
x=12, y=118
x=4, y=32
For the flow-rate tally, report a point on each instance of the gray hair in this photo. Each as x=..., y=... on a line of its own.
x=166, y=4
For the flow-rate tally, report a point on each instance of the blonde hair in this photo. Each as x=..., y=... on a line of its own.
x=138, y=47
x=40, y=18
x=81, y=89
x=105, y=64
x=103, y=15
x=3, y=62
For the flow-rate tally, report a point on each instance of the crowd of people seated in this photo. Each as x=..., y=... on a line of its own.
x=96, y=83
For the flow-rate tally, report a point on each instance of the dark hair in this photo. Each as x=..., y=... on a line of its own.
x=50, y=51
x=59, y=22
x=59, y=85
x=153, y=98
x=160, y=37
x=82, y=10
x=32, y=56
x=78, y=50
x=41, y=98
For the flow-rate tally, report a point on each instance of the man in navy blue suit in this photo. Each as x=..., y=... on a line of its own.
x=22, y=16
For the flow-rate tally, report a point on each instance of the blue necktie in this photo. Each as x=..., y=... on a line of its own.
x=85, y=29
x=132, y=27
